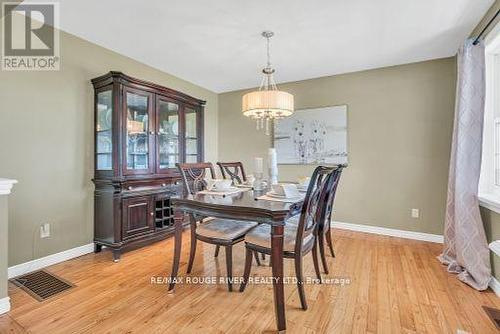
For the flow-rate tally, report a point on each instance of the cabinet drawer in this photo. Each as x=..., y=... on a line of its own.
x=170, y=186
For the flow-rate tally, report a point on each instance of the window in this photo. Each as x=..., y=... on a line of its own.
x=489, y=184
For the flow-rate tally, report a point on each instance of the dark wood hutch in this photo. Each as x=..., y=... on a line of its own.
x=141, y=131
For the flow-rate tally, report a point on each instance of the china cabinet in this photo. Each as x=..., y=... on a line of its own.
x=141, y=131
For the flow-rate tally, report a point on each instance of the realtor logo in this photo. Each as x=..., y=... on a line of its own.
x=30, y=42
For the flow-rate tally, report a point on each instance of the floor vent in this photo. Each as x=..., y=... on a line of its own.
x=494, y=315
x=42, y=284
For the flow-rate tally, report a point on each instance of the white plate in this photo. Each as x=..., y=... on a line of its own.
x=225, y=190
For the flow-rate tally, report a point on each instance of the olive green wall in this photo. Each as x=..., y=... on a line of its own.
x=3, y=245
x=46, y=143
x=400, y=123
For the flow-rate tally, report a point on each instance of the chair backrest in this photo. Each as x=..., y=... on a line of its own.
x=193, y=175
x=323, y=183
x=233, y=170
x=325, y=220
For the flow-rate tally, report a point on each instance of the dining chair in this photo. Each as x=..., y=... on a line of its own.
x=299, y=238
x=215, y=231
x=236, y=172
x=233, y=170
x=324, y=227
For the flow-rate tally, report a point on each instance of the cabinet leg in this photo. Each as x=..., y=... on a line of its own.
x=97, y=248
x=116, y=255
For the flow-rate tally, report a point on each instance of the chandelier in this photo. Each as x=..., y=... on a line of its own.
x=268, y=103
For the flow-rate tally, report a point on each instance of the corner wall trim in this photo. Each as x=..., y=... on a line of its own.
x=4, y=305
x=24, y=268
x=495, y=286
x=390, y=232
x=495, y=247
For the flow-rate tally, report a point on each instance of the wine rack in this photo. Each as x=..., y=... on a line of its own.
x=164, y=214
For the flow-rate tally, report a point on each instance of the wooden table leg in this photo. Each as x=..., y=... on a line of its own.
x=177, y=251
x=277, y=265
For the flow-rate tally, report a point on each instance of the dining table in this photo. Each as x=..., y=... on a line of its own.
x=242, y=206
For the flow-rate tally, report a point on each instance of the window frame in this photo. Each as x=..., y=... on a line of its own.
x=489, y=183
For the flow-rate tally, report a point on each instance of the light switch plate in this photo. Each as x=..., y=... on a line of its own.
x=45, y=230
x=415, y=213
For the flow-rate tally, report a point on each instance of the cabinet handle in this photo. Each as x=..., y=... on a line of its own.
x=151, y=132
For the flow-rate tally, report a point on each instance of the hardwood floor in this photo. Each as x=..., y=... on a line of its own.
x=397, y=286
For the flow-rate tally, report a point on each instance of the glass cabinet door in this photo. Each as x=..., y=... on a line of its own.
x=191, y=135
x=167, y=134
x=104, y=120
x=137, y=139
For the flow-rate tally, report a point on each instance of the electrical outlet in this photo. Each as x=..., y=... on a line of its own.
x=415, y=213
x=45, y=230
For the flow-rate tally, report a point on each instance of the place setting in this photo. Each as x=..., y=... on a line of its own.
x=247, y=184
x=284, y=192
x=287, y=192
x=222, y=187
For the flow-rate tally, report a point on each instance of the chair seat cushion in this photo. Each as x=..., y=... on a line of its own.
x=261, y=236
x=224, y=229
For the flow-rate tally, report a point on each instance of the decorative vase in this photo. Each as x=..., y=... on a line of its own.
x=272, y=166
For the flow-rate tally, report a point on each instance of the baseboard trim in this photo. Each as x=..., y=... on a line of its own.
x=495, y=286
x=4, y=305
x=24, y=268
x=389, y=232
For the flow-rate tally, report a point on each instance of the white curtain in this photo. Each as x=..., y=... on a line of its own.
x=466, y=249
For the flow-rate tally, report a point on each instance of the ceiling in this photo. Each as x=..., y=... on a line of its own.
x=217, y=44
